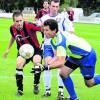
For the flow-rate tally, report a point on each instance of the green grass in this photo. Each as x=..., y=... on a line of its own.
x=90, y=32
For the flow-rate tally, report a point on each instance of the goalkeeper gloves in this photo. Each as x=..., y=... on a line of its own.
x=39, y=68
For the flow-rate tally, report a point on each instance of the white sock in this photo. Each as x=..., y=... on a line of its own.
x=47, y=79
x=60, y=82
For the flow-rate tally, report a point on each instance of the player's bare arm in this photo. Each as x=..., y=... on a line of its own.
x=8, y=48
x=57, y=62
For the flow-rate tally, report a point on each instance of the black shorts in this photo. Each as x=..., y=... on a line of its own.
x=37, y=51
x=71, y=65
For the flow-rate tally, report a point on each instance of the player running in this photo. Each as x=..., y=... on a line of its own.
x=81, y=55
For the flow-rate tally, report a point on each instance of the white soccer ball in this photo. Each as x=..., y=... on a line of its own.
x=26, y=51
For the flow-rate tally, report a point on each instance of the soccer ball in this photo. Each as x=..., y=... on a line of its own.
x=26, y=51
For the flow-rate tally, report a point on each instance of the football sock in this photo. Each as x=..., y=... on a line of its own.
x=37, y=78
x=47, y=79
x=97, y=79
x=70, y=87
x=19, y=79
x=60, y=88
x=60, y=82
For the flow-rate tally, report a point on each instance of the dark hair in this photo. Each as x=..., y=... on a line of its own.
x=56, y=1
x=45, y=1
x=17, y=13
x=52, y=24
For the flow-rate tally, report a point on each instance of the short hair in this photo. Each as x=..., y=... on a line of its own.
x=56, y=1
x=45, y=1
x=52, y=24
x=17, y=13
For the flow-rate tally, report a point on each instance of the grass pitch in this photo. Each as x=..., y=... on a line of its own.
x=90, y=32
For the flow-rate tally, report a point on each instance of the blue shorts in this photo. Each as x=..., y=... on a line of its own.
x=86, y=64
x=48, y=51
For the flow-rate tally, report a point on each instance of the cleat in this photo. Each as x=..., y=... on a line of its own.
x=68, y=98
x=36, y=89
x=19, y=93
x=60, y=96
x=47, y=94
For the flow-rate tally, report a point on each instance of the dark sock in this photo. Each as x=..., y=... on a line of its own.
x=37, y=78
x=19, y=79
x=61, y=87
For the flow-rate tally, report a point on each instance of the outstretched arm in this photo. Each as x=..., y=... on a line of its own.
x=8, y=48
x=56, y=62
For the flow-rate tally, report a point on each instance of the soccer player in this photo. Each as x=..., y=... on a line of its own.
x=64, y=25
x=44, y=10
x=24, y=33
x=71, y=14
x=80, y=52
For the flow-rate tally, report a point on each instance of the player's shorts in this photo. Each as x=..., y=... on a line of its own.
x=86, y=64
x=48, y=51
x=37, y=51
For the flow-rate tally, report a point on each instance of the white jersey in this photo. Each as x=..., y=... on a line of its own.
x=64, y=24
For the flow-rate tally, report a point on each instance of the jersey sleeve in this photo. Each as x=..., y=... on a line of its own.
x=61, y=51
x=39, y=14
x=13, y=31
x=59, y=44
x=34, y=27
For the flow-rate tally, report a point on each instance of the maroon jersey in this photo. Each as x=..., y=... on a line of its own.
x=41, y=13
x=26, y=35
x=71, y=15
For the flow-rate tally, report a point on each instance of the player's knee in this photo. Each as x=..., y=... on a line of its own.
x=19, y=64
x=37, y=59
x=62, y=75
x=89, y=83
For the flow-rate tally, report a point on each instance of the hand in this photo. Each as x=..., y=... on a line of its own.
x=39, y=68
x=19, y=38
x=5, y=54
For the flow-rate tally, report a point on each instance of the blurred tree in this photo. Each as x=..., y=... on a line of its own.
x=88, y=5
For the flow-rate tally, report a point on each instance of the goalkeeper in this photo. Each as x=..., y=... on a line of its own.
x=81, y=55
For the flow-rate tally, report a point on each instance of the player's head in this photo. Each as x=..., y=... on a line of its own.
x=54, y=7
x=45, y=4
x=18, y=19
x=50, y=28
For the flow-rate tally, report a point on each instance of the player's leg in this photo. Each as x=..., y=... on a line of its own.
x=48, y=54
x=47, y=79
x=88, y=70
x=60, y=88
x=19, y=75
x=68, y=83
x=88, y=74
x=37, y=58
